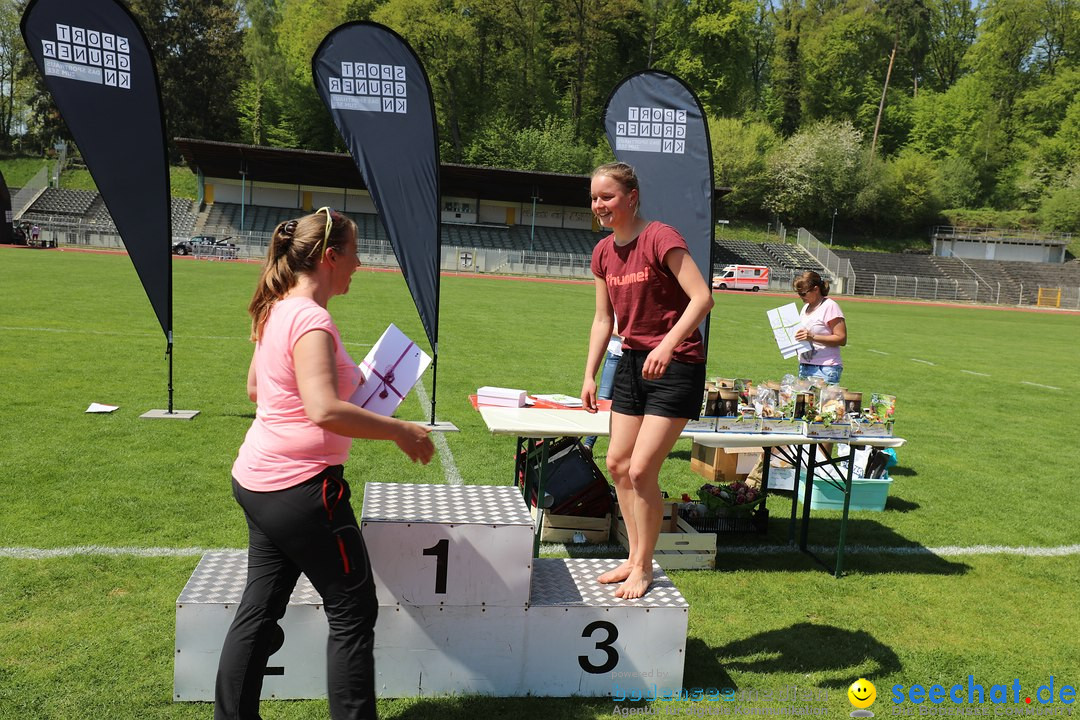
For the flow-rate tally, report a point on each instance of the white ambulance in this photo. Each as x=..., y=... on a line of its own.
x=742, y=277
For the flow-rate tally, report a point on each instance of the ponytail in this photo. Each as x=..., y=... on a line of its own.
x=292, y=253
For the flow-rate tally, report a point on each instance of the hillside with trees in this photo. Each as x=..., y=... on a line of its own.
x=894, y=114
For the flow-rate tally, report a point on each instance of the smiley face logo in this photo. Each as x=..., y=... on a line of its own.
x=862, y=694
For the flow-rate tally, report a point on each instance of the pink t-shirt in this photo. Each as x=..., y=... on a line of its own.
x=817, y=323
x=645, y=295
x=283, y=447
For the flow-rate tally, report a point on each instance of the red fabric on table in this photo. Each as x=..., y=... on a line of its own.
x=603, y=405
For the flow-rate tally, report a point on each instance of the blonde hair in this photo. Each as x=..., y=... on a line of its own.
x=295, y=249
x=808, y=281
x=621, y=173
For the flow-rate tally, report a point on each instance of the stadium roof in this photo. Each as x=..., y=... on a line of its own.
x=323, y=169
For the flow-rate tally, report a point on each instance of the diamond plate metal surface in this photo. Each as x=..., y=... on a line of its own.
x=458, y=505
x=572, y=582
x=220, y=578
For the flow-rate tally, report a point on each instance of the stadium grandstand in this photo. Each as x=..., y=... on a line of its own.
x=499, y=220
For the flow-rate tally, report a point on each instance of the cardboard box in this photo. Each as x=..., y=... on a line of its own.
x=723, y=464
x=737, y=424
x=867, y=428
x=702, y=424
x=782, y=426
x=837, y=430
x=866, y=494
x=563, y=528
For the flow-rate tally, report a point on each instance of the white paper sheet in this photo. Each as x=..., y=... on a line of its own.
x=784, y=321
x=101, y=408
x=390, y=371
x=567, y=400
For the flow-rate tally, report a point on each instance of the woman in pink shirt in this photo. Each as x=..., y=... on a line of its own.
x=288, y=474
x=823, y=326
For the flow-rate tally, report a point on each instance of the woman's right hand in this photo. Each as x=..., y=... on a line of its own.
x=588, y=395
x=414, y=442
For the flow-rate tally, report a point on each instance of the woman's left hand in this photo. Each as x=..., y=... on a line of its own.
x=656, y=364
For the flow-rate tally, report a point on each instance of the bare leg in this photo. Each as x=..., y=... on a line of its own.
x=655, y=438
x=624, y=433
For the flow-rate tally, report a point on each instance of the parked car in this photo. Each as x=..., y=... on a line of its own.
x=206, y=245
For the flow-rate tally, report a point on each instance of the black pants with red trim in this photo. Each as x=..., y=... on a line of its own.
x=307, y=528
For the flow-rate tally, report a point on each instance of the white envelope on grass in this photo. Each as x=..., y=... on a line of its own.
x=390, y=371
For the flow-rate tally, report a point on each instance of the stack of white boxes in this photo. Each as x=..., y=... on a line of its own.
x=464, y=608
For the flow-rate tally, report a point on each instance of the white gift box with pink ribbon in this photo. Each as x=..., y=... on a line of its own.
x=390, y=371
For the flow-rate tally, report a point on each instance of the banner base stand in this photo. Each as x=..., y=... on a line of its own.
x=166, y=415
x=439, y=426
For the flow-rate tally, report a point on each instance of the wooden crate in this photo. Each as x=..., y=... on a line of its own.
x=562, y=528
x=723, y=464
x=686, y=549
x=671, y=516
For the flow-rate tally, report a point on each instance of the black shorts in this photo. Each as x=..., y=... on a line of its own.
x=678, y=394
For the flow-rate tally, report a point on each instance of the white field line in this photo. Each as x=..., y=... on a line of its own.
x=1048, y=387
x=31, y=553
x=879, y=352
x=944, y=551
x=924, y=362
x=972, y=372
x=446, y=457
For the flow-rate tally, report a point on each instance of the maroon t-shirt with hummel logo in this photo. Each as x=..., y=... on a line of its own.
x=646, y=296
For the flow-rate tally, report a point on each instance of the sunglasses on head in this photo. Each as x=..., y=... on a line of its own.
x=326, y=232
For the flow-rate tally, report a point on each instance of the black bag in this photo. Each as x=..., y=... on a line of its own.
x=574, y=482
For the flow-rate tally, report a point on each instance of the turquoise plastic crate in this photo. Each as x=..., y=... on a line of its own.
x=866, y=494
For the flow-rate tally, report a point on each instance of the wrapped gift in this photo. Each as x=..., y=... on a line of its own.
x=390, y=371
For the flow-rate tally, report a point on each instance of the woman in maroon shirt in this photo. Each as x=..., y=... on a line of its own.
x=645, y=275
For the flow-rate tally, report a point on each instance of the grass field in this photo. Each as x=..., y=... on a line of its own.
x=987, y=401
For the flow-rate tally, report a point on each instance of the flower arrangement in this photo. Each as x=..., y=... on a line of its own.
x=732, y=495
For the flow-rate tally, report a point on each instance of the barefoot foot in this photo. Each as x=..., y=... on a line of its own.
x=636, y=585
x=617, y=575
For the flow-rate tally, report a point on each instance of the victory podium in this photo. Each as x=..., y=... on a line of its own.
x=464, y=608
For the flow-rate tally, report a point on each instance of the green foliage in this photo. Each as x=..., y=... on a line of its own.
x=987, y=93
x=912, y=182
x=197, y=47
x=814, y=171
x=841, y=53
x=740, y=150
x=989, y=217
x=18, y=170
x=957, y=182
x=549, y=147
x=1061, y=210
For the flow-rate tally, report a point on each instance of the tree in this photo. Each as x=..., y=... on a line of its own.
x=712, y=52
x=444, y=35
x=740, y=161
x=814, y=171
x=909, y=21
x=952, y=32
x=12, y=56
x=197, y=49
x=841, y=51
x=585, y=56
x=783, y=101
